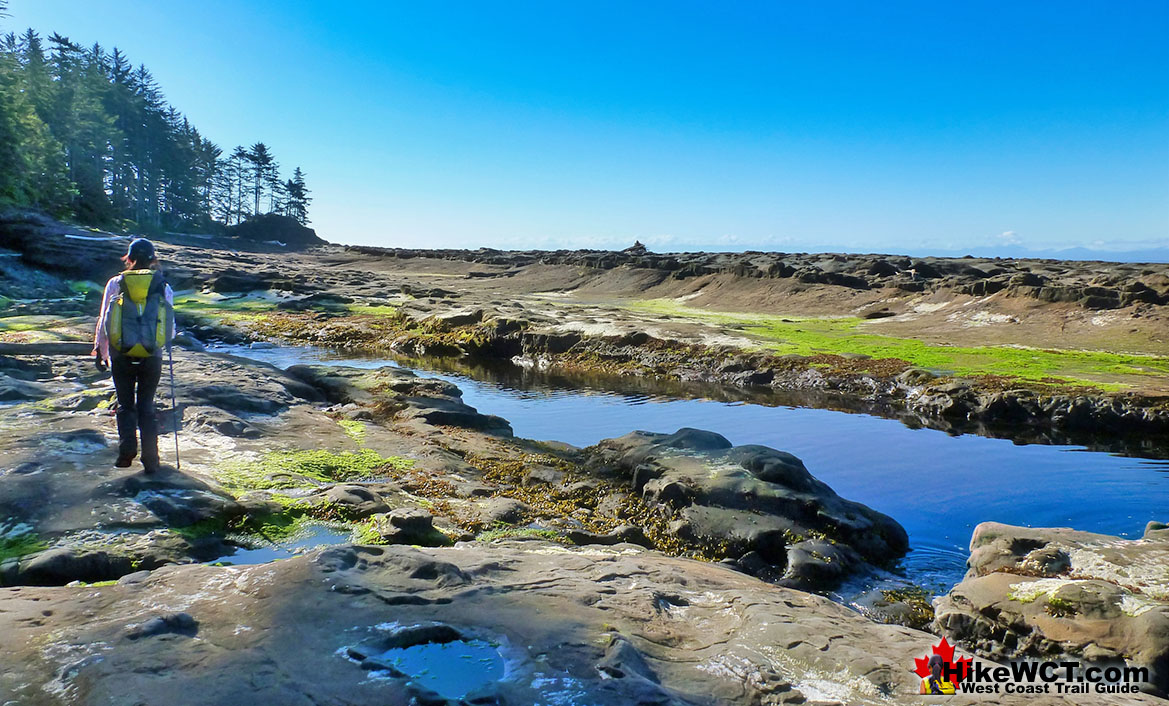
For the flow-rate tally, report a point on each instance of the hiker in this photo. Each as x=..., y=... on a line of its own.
x=135, y=324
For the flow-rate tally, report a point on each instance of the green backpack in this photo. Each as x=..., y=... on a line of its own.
x=140, y=322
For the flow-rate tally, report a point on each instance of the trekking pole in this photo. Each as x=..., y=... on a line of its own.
x=174, y=409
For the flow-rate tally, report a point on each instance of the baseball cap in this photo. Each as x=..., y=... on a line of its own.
x=141, y=250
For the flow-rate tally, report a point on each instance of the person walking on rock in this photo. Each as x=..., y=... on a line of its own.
x=135, y=325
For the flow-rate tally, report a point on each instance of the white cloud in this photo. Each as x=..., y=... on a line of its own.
x=1009, y=237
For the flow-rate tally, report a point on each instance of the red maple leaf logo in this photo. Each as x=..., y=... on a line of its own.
x=959, y=669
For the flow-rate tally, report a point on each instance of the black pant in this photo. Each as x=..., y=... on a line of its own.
x=135, y=381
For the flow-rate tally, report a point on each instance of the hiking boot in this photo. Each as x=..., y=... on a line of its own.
x=124, y=461
x=149, y=467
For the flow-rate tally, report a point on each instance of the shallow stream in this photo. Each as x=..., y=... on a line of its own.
x=936, y=485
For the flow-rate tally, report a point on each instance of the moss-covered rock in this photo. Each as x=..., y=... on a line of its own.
x=307, y=469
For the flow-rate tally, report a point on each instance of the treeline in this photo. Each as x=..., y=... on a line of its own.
x=85, y=134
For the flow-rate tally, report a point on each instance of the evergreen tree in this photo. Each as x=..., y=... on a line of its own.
x=298, y=197
x=36, y=72
x=261, y=163
x=77, y=119
x=84, y=133
x=276, y=192
x=32, y=168
x=239, y=160
x=222, y=195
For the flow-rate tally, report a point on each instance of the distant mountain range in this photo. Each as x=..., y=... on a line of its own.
x=1156, y=254
x=1142, y=253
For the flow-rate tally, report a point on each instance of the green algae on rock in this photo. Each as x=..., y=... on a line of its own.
x=810, y=336
x=354, y=428
x=508, y=532
x=306, y=469
x=17, y=540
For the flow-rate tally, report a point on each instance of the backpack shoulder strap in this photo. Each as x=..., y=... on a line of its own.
x=157, y=284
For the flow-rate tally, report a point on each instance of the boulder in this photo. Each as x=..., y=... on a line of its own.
x=16, y=390
x=59, y=566
x=501, y=510
x=219, y=421
x=458, y=317
x=169, y=623
x=400, y=394
x=754, y=500
x=64, y=564
x=356, y=500
x=407, y=525
x=442, y=411
x=1061, y=593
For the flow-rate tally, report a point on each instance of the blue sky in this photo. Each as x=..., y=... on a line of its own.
x=791, y=126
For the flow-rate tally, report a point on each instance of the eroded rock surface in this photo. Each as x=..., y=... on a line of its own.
x=580, y=311
x=393, y=457
x=1091, y=285
x=760, y=505
x=618, y=626
x=396, y=458
x=1057, y=592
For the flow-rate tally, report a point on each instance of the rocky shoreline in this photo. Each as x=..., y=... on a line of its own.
x=891, y=388
x=1093, y=285
x=400, y=460
x=660, y=568
x=520, y=527
x=324, y=303
x=688, y=493
x=616, y=626
x=1066, y=595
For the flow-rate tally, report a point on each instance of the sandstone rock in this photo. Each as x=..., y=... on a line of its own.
x=408, y=526
x=459, y=317
x=16, y=390
x=409, y=397
x=238, y=281
x=231, y=398
x=606, y=626
x=119, y=556
x=625, y=534
x=357, y=500
x=916, y=376
x=175, y=623
x=57, y=567
x=452, y=412
x=219, y=421
x=753, y=499
x=507, y=511
x=180, y=507
x=1064, y=593
x=320, y=301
